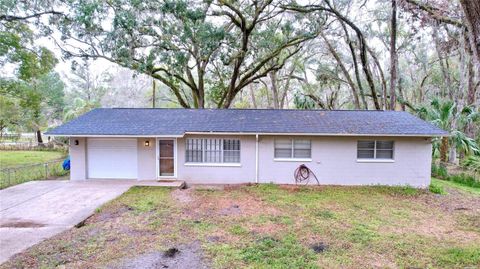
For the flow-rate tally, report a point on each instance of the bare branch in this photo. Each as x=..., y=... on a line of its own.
x=434, y=13
x=5, y=17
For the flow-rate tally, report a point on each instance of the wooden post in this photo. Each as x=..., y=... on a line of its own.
x=46, y=170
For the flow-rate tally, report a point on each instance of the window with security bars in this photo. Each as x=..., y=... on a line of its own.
x=293, y=149
x=375, y=149
x=212, y=150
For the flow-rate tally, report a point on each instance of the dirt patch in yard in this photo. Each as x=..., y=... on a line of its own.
x=109, y=214
x=270, y=229
x=444, y=228
x=453, y=216
x=183, y=196
x=181, y=257
x=230, y=204
x=455, y=200
x=18, y=223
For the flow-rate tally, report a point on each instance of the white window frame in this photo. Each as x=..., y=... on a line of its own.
x=375, y=159
x=291, y=158
x=222, y=163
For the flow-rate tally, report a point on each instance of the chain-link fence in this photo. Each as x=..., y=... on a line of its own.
x=33, y=146
x=16, y=175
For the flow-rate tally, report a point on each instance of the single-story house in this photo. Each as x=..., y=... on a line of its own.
x=229, y=146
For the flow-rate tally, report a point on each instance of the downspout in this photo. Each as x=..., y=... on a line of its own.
x=256, y=158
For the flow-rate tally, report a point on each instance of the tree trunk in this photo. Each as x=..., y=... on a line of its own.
x=471, y=9
x=382, y=77
x=153, y=93
x=355, y=66
x=201, y=85
x=443, y=150
x=283, y=99
x=445, y=72
x=471, y=87
x=344, y=71
x=252, y=96
x=368, y=73
x=201, y=101
x=39, y=137
x=363, y=51
x=469, y=70
x=400, y=92
x=462, y=66
x=452, y=154
x=393, y=56
x=471, y=92
x=273, y=83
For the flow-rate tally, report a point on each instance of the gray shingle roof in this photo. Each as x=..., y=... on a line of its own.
x=138, y=121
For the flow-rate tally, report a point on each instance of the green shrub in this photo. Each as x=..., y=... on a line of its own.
x=439, y=171
x=465, y=179
x=435, y=188
x=472, y=163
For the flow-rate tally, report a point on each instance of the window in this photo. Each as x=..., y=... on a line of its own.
x=194, y=150
x=293, y=149
x=231, y=151
x=212, y=151
x=375, y=149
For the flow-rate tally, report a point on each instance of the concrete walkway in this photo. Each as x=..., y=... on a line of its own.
x=34, y=211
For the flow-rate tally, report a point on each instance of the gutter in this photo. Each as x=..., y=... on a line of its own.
x=265, y=134
x=317, y=134
x=256, y=158
x=106, y=136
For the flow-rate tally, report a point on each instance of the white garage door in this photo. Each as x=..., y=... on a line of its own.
x=112, y=158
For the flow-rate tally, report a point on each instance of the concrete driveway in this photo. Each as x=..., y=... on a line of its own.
x=34, y=211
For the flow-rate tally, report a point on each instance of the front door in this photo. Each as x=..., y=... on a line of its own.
x=166, y=157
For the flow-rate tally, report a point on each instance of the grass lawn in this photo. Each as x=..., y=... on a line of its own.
x=456, y=185
x=269, y=226
x=19, y=158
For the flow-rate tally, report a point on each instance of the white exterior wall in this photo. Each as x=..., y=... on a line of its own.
x=206, y=174
x=147, y=159
x=333, y=161
x=78, y=158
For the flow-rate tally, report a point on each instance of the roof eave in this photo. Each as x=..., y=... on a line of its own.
x=111, y=135
x=320, y=134
x=251, y=133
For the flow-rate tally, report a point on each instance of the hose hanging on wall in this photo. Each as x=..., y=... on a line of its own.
x=303, y=174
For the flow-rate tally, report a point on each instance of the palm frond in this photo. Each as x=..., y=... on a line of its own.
x=464, y=143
